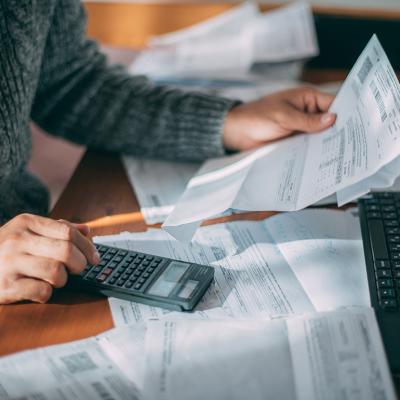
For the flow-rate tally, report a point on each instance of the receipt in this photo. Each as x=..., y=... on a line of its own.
x=77, y=370
x=283, y=265
x=330, y=355
x=299, y=171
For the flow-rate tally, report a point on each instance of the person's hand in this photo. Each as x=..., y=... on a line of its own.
x=277, y=116
x=36, y=255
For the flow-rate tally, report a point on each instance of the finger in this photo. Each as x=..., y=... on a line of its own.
x=42, y=268
x=323, y=100
x=31, y=289
x=61, y=250
x=84, y=244
x=305, y=122
x=82, y=228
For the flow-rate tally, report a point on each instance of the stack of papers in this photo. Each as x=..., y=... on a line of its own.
x=287, y=264
x=281, y=35
x=262, y=331
x=336, y=354
x=358, y=153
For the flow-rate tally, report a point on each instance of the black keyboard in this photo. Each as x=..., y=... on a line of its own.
x=380, y=227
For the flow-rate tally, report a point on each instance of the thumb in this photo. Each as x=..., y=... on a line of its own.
x=304, y=122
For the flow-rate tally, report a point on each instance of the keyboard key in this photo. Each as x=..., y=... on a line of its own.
x=122, y=253
x=392, y=231
x=129, y=284
x=138, y=286
x=108, y=257
x=396, y=264
x=385, y=283
x=102, y=263
x=374, y=214
x=395, y=239
x=384, y=273
x=391, y=222
x=112, y=251
x=387, y=293
x=112, y=264
x=395, y=256
x=388, y=303
x=382, y=264
x=118, y=259
x=141, y=280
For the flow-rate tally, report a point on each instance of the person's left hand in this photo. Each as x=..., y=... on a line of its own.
x=277, y=116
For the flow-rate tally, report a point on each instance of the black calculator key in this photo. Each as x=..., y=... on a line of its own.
x=387, y=208
x=141, y=280
x=125, y=276
x=138, y=286
x=385, y=283
x=107, y=257
x=121, y=282
x=97, y=269
x=129, y=284
x=374, y=214
x=123, y=253
x=129, y=270
x=91, y=276
x=382, y=264
x=129, y=259
x=118, y=258
x=394, y=238
x=124, y=265
x=387, y=293
x=102, y=263
x=112, y=251
x=389, y=215
x=112, y=264
x=133, y=278
x=384, y=273
x=388, y=303
x=396, y=273
x=102, y=278
x=112, y=280
x=146, y=275
x=117, y=274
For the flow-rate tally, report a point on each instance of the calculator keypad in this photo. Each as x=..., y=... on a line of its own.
x=121, y=268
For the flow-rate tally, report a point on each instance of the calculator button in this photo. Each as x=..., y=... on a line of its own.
x=123, y=253
x=141, y=280
x=387, y=208
x=384, y=283
x=91, y=276
x=113, y=251
x=146, y=275
x=124, y=266
x=396, y=264
x=389, y=215
x=102, y=278
x=107, y=257
x=97, y=269
x=107, y=271
x=112, y=280
x=102, y=263
x=117, y=274
x=138, y=286
x=129, y=270
x=129, y=259
x=146, y=263
x=396, y=273
x=129, y=284
x=121, y=282
x=118, y=258
x=374, y=215
x=112, y=264
x=384, y=273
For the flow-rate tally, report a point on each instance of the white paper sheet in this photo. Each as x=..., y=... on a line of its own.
x=281, y=35
x=158, y=185
x=258, y=273
x=299, y=171
x=73, y=371
x=278, y=359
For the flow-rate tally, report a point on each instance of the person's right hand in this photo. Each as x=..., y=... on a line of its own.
x=37, y=254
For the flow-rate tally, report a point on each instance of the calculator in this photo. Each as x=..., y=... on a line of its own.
x=145, y=278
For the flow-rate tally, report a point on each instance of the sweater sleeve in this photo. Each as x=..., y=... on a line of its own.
x=81, y=98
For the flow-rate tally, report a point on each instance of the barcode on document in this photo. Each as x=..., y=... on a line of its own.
x=78, y=362
x=378, y=97
x=102, y=391
x=365, y=70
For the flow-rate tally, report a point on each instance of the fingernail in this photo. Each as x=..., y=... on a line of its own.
x=327, y=118
x=96, y=257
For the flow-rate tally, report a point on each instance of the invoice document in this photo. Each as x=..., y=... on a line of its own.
x=281, y=35
x=296, y=172
x=287, y=264
x=330, y=355
x=74, y=371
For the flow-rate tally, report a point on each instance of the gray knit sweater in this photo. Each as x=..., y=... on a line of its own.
x=52, y=74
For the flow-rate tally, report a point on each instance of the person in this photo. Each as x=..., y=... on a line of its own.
x=52, y=74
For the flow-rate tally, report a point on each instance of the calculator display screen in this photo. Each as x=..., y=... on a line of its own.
x=167, y=281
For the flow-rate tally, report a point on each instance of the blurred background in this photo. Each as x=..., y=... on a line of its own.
x=124, y=28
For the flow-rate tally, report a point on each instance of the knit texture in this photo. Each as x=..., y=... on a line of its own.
x=52, y=74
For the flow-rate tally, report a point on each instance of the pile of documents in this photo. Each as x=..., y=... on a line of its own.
x=234, y=41
x=359, y=153
x=287, y=318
